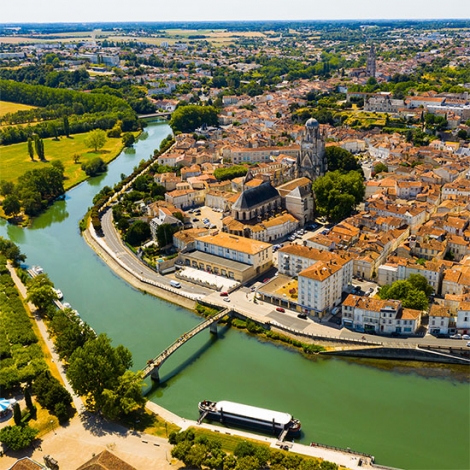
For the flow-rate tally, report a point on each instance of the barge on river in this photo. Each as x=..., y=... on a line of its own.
x=247, y=416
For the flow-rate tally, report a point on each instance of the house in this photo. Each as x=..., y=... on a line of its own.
x=372, y=315
x=463, y=318
x=105, y=460
x=167, y=217
x=442, y=320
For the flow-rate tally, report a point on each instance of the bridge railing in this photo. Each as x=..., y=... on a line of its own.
x=158, y=360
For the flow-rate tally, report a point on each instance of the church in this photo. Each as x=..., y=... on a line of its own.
x=311, y=162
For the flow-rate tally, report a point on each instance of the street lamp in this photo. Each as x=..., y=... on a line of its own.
x=51, y=422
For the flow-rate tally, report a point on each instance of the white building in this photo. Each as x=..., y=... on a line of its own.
x=371, y=315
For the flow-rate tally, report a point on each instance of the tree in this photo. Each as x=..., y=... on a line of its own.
x=138, y=232
x=17, y=414
x=17, y=437
x=30, y=148
x=337, y=194
x=39, y=145
x=96, y=367
x=11, y=205
x=40, y=291
x=189, y=118
x=6, y=187
x=165, y=234
x=128, y=139
x=96, y=139
x=340, y=159
x=420, y=283
x=380, y=168
x=11, y=251
x=125, y=398
x=409, y=293
x=28, y=400
x=66, y=126
x=94, y=167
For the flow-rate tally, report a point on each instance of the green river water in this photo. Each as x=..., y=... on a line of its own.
x=412, y=416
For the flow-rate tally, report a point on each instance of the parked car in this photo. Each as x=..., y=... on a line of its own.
x=456, y=336
x=195, y=219
x=395, y=334
x=223, y=294
x=280, y=309
x=303, y=316
x=465, y=336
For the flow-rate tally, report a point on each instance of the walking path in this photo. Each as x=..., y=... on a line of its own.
x=86, y=434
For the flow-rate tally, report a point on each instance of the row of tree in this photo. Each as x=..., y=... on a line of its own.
x=74, y=124
x=201, y=451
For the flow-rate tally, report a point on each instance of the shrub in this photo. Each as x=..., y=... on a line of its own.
x=17, y=437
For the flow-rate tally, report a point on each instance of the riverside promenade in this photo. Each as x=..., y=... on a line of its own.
x=348, y=459
x=87, y=435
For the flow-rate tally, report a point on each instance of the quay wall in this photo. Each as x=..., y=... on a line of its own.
x=405, y=354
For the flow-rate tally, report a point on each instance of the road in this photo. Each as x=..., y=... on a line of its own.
x=121, y=252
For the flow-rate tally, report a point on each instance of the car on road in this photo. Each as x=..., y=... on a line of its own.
x=280, y=309
x=303, y=316
x=226, y=299
x=223, y=294
x=468, y=344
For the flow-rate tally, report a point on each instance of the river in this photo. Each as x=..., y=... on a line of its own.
x=412, y=416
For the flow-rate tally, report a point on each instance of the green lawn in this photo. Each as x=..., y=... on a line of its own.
x=7, y=107
x=15, y=161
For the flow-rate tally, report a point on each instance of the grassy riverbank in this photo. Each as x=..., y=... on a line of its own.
x=16, y=160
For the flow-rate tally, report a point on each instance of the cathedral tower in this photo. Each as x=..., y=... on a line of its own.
x=312, y=159
x=370, y=69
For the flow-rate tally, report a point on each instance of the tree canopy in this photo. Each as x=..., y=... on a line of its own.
x=97, y=371
x=342, y=160
x=96, y=139
x=18, y=437
x=413, y=292
x=336, y=194
x=189, y=118
x=40, y=291
x=94, y=167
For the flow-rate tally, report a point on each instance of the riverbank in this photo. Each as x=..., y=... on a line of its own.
x=131, y=279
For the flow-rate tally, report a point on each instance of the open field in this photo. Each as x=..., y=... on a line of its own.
x=8, y=107
x=215, y=36
x=15, y=161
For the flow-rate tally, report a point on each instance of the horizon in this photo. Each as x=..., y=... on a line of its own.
x=99, y=11
x=293, y=20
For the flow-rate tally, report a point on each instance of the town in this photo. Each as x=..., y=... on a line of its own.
x=316, y=177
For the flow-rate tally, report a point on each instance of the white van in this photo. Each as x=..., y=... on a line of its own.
x=175, y=284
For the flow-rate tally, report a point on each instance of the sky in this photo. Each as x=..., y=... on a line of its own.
x=52, y=11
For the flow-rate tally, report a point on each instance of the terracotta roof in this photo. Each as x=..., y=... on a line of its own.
x=106, y=461
x=26, y=464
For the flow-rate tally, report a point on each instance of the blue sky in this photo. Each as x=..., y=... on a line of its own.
x=200, y=10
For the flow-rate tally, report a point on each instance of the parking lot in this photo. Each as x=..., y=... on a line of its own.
x=198, y=215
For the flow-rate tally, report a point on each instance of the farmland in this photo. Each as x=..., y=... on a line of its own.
x=7, y=107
